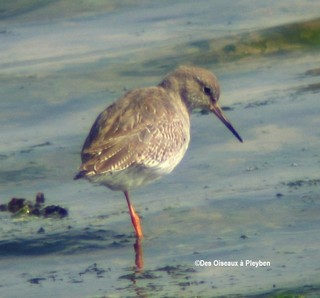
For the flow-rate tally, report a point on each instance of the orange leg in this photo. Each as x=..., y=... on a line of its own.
x=135, y=219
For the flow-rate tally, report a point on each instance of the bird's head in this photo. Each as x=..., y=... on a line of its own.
x=199, y=89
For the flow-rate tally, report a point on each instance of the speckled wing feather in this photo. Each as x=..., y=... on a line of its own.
x=135, y=130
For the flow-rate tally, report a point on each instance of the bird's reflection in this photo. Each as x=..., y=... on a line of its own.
x=138, y=255
x=137, y=273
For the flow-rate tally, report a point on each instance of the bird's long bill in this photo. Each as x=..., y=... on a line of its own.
x=218, y=112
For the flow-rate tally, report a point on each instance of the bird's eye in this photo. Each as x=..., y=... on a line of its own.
x=207, y=91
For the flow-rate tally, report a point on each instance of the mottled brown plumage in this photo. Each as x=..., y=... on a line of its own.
x=145, y=133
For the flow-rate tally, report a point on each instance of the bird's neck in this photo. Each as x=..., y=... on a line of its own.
x=176, y=89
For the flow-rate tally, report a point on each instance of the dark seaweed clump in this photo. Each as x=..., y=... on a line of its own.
x=22, y=207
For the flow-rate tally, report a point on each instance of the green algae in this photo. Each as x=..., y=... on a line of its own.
x=313, y=88
x=276, y=40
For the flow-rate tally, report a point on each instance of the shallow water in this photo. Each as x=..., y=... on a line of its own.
x=226, y=201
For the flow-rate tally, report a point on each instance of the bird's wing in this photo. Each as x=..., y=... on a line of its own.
x=135, y=130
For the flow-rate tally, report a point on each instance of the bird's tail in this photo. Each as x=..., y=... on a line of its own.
x=81, y=174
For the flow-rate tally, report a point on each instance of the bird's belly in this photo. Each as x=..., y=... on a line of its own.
x=129, y=178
